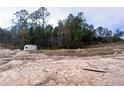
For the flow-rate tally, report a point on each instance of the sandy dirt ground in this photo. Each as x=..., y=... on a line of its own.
x=39, y=69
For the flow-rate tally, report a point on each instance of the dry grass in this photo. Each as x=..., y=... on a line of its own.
x=82, y=52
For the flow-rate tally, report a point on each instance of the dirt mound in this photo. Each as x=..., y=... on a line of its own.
x=32, y=68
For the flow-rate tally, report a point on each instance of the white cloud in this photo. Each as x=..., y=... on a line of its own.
x=107, y=17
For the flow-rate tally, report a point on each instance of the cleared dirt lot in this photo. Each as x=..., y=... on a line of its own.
x=62, y=67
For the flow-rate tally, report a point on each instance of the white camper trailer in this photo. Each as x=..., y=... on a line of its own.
x=30, y=47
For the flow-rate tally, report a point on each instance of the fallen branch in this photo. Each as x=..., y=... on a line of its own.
x=95, y=70
x=115, y=53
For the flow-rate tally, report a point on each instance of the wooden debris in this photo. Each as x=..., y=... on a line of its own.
x=95, y=70
x=115, y=53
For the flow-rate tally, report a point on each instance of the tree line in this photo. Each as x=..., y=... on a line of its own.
x=72, y=32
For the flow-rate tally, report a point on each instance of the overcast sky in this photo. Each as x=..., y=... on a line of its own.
x=111, y=18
